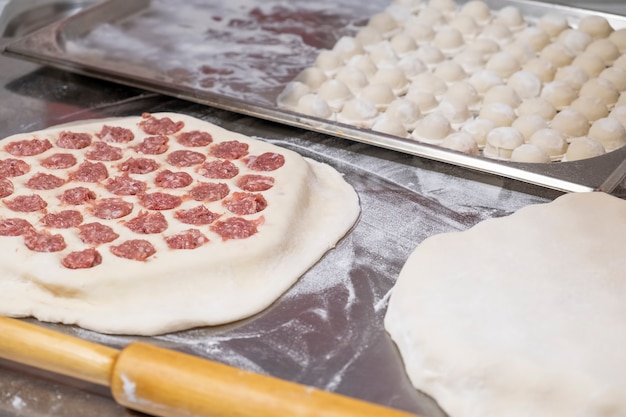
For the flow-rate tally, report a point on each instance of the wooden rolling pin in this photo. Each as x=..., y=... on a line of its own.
x=166, y=383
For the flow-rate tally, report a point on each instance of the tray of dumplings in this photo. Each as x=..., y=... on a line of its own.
x=520, y=89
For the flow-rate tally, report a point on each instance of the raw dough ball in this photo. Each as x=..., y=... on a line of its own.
x=525, y=84
x=511, y=17
x=358, y=112
x=477, y=9
x=389, y=125
x=293, y=91
x=575, y=39
x=406, y=111
x=601, y=88
x=466, y=25
x=572, y=75
x=501, y=142
x=485, y=46
x=429, y=83
x=393, y=77
x=529, y=124
x=447, y=7
x=542, y=68
x=559, y=93
x=384, y=24
x=620, y=62
x=537, y=106
x=368, y=35
x=484, y=80
x=618, y=37
x=464, y=92
x=591, y=107
x=558, y=54
x=382, y=53
x=353, y=78
x=502, y=94
x=411, y=65
x=419, y=31
x=617, y=77
x=503, y=63
x=605, y=49
x=619, y=113
x=536, y=37
x=456, y=111
x=529, y=152
x=403, y=43
x=497, y=32
x=570, y=123
x=521, y=51
x=487, y=326
x=432, y=128
x=412, y=5
x=583, y=148
x=430, y=54
x=551, y=141
x=347, y=47
x=470, y=60
x=461, y=142
x=432, y=17
x=450, y=71
x=621, y=101
x=313, y=105
x=329, y=61
x=595, y=26
x=590, y=62
x=363, y=63
x=609, y=132
x=448, y=40
x=425, y=101
x=478, y=129
x=313, y=77
x=553, y=24
x=499, y=113
x=378, y=94
x=336, y=93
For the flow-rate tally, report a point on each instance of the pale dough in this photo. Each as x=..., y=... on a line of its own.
x=521, y=315
x=310, y=207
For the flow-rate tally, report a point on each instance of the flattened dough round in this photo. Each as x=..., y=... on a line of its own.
x=522, y=315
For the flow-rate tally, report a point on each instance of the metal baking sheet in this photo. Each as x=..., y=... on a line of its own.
x=239, y=55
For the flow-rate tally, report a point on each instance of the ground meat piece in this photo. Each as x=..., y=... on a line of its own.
x=148, y=223
x=70, y=140
x=229, y=150
x=165, y=126
x=125, y=185
x=235, y=228
x=77, y=196
x=153, y=145
x=87, y=258
x=268, y=161
x=207, y=191
x=63, y=219
x=187, y=239
x=139, y=165
x=112, y=208
x=28, y=147
x=6, y=187
x=197, y=216
x=218, y=169
x=136, y=250
x=194, y=138
x=90, y=172
x=96, y=233
x=26, y=203
x=44, y=242
x=104, y=152
x=252, y=182
x=42, y=181
x=169, y=179
x=15, y=227
x=59, y=161
x=13, y=167
x=115, y=134
x=185, y=158
x=245, y=203
x=160, y=201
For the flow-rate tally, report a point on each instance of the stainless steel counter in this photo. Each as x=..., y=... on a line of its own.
x=327, y=330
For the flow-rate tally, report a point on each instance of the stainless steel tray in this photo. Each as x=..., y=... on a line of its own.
x=239, y=56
